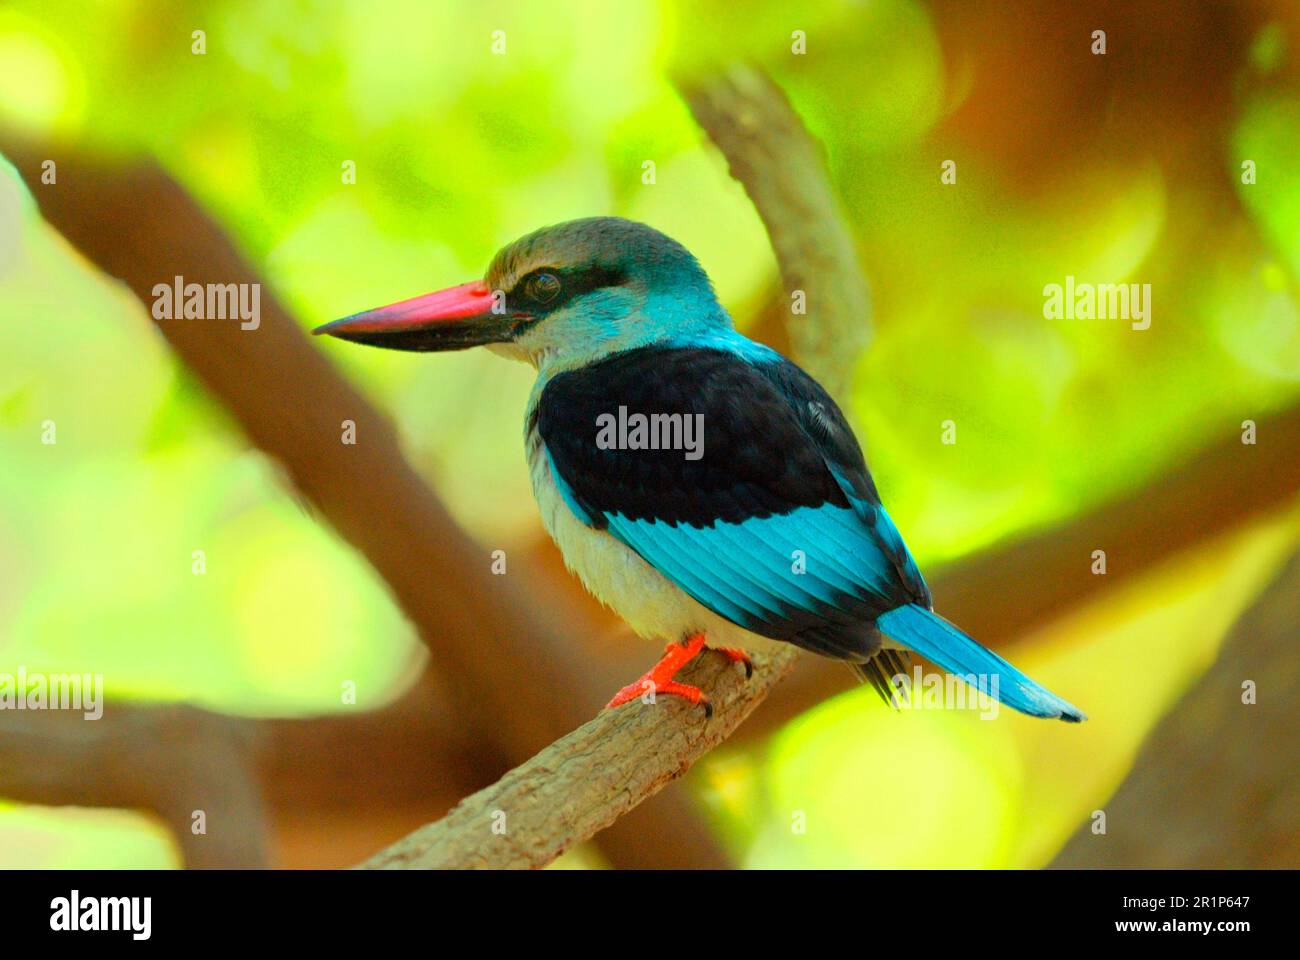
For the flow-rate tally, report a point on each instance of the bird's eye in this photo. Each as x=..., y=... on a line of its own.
x=544, y=287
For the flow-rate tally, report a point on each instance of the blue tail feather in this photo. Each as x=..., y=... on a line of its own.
x=939, y=641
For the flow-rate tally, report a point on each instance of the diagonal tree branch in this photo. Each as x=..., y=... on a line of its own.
x=588, y=779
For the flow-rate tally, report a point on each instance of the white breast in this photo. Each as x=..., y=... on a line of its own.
x=617, y=575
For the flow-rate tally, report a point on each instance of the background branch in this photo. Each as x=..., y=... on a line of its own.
x=168, y=760
x=783, y=170
x=1215, y=784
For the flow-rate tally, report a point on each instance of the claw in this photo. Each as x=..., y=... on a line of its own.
x=736, y=655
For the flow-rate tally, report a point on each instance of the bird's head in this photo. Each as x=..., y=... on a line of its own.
x=569, y=293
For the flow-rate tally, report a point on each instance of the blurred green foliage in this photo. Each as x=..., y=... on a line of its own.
x=458, y=150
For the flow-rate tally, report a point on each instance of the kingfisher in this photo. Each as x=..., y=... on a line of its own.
x=700, y=484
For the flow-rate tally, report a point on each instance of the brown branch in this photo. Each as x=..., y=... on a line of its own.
x=783, y=170
x=171, y=761
x=1215, y=784
x=585, y=781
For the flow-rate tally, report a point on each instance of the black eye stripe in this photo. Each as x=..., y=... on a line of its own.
x=573, y=283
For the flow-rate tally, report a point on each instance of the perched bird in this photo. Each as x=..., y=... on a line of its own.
x=699, y=483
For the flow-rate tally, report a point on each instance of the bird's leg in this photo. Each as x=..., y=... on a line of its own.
x=659, y=678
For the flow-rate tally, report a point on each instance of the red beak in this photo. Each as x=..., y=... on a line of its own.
x=450, y=319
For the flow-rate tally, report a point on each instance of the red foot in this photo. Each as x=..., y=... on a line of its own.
x=660, y=677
